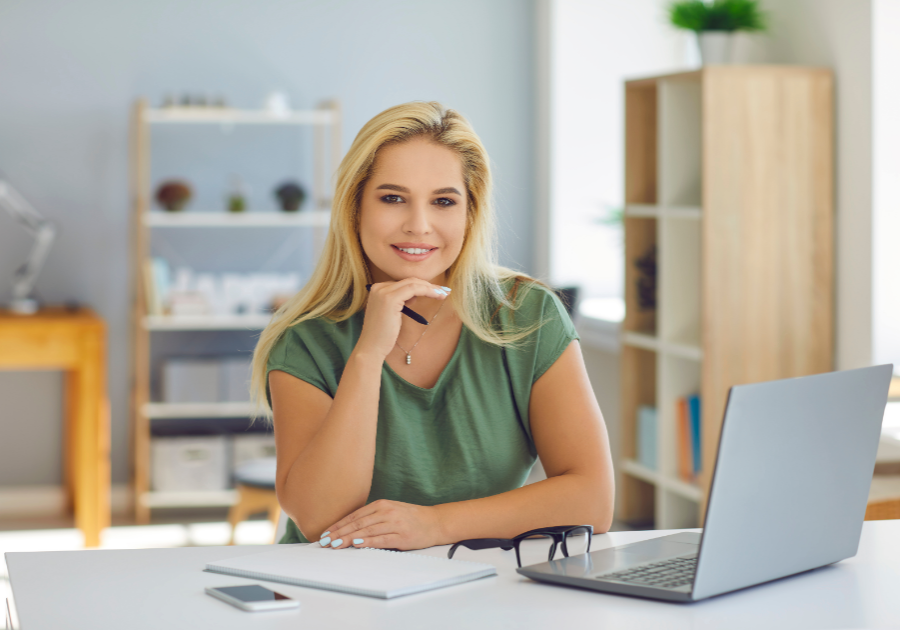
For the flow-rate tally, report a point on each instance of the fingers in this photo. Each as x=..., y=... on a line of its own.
x=408, y=288
x=387, y=541
x=371, y=525
x=357, y=514
x=378, y=536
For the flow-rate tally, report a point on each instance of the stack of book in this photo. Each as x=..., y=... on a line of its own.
x=687, y=428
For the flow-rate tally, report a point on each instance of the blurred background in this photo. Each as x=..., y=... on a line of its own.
x=183, y=151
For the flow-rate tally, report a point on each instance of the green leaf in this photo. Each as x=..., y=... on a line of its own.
x=718, y=15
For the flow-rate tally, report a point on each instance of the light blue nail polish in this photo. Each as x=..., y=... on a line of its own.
x=439, y=292
x=338, y=542
x=447, y=289
x=324, y=542
x=358, y=541
x=324, y=534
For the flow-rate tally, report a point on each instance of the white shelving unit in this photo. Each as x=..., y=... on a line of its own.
x=199, y=410
x=248, y=219
x=205, y=322
x=325, y=122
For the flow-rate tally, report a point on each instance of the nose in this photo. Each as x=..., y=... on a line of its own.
x=418, y=219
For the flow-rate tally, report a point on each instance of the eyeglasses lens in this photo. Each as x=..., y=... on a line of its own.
x=576, y=541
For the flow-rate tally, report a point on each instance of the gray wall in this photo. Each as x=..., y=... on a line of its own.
x=70, y=71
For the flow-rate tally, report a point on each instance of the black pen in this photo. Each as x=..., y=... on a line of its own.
x=407, y=311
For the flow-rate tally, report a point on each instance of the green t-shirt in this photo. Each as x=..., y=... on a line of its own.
x=467, y=437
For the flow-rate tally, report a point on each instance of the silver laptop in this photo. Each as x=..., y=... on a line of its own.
x=789, y=493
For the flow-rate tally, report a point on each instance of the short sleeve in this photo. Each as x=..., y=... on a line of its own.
x=293, y=355
x=528, y=359
x=540, y=307
x=555, y=334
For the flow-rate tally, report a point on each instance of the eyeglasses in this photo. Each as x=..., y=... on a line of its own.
x=559, y=535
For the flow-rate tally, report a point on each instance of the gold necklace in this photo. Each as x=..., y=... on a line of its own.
x=408, y=352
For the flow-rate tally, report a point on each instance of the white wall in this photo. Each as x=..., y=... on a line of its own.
x=595, y=46
x=886, y=183
x=70, y=71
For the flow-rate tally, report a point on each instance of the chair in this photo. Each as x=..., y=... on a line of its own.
x=255, y=484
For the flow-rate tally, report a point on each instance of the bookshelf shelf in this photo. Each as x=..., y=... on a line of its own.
x=677, y=486
x=199, y=410
x=653, y=211
x=229, y=116
x=209, y=219
x=203, y=322
x=735, y=202
x=691, y=351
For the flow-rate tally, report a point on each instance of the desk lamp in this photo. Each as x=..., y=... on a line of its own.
x=44, y=233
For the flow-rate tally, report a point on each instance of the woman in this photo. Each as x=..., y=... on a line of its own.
x=395, y=434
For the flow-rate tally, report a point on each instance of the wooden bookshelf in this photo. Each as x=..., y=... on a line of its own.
x=729, y=176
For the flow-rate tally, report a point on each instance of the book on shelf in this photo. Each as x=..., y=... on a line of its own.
x=156, y=284
x=687, y=427
x=694, y=409
x=646, y=442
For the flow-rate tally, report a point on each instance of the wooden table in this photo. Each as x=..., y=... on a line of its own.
x=73, y=341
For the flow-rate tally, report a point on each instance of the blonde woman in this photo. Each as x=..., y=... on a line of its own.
x=395, y=434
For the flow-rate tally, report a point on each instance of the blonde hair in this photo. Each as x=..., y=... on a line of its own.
x=337, y=290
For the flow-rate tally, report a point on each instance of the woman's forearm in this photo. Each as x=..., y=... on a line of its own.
x=568, y=499
x=332, y=476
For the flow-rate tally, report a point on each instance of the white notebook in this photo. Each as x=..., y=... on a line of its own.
x=371, y=572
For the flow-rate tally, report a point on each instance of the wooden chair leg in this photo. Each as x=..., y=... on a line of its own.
x=237, y=513
x=274, y=516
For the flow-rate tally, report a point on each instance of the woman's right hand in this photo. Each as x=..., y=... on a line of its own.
x=381, y=326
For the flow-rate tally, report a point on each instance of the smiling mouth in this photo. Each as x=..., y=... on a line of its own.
x=415, y=251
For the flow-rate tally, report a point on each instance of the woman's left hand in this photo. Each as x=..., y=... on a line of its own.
x=386, y=524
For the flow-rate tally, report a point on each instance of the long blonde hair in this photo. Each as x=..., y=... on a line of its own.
x=337, y=290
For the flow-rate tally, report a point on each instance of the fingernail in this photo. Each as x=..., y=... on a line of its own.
x=439, y=292
x=337, y=543
x=324, y=534
x=358, y=541
x=324, y=542
x=448, y=289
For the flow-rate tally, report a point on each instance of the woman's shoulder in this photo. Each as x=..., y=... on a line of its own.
x=530, y=301
x=315, y=332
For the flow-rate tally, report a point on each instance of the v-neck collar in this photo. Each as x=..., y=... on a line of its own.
x=453, y=359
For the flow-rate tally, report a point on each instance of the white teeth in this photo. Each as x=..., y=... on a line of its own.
x=414, y=250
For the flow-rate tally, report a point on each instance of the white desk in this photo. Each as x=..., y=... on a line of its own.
x=163, y=588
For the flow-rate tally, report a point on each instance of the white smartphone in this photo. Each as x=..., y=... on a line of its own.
x=252, y=597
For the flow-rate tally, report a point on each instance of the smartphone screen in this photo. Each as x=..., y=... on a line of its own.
x=251, y=593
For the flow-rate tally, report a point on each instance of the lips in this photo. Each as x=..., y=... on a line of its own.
x=413, y=257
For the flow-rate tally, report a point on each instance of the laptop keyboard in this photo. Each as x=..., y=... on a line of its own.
x=670, y=573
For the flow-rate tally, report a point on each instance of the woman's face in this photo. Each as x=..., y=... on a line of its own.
x=413, y=212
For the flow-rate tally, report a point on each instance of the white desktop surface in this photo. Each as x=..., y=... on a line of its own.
x=163, y=588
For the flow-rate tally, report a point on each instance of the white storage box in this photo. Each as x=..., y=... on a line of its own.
x=191, y=381
x=251, y=446
x=234, y=375
x=185, y=464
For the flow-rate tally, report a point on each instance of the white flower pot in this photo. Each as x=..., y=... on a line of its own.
x=715, y=46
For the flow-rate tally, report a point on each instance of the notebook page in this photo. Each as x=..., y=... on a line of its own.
x=372, y=572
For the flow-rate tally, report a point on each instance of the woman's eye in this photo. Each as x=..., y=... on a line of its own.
x=392, y=199
x=444, y=201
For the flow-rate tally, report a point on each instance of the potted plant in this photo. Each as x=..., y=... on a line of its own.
x=173, y=195
x=715, y=22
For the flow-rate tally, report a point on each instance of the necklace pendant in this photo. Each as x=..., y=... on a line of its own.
x=408, y=360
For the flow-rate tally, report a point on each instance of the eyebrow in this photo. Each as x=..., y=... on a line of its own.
x=439, y=191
